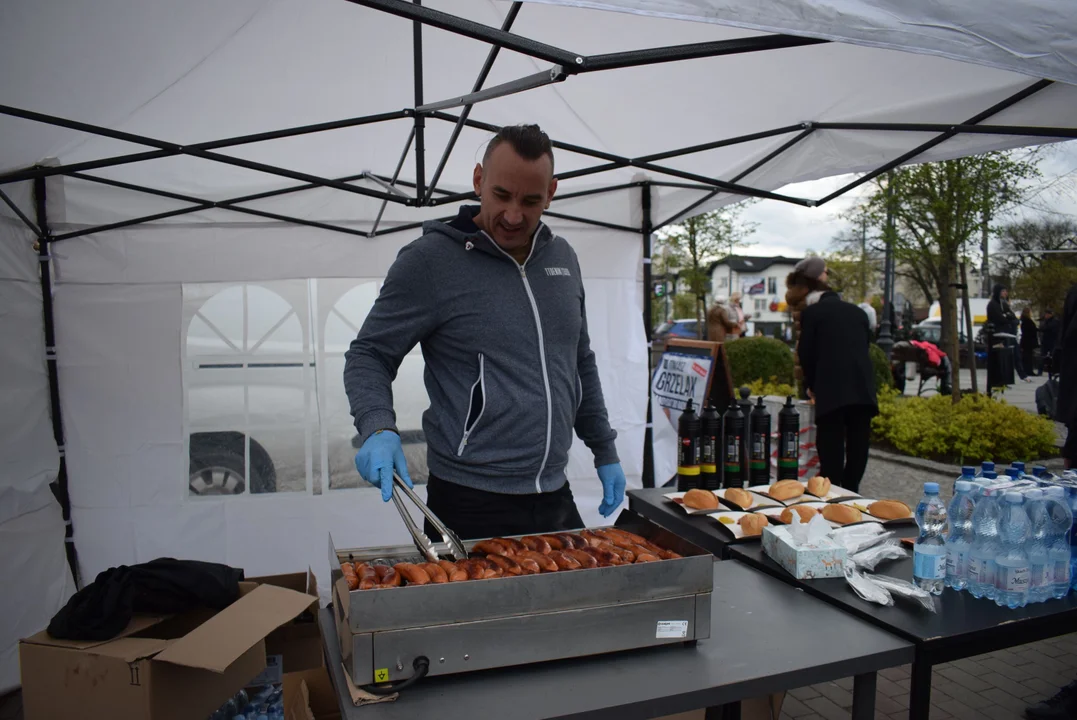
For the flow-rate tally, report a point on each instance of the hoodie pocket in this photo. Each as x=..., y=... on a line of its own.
x=476, y=405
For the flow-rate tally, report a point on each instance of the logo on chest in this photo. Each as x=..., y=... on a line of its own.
x=556, y=271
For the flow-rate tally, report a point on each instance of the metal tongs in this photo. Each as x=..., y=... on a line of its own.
x=450, y=544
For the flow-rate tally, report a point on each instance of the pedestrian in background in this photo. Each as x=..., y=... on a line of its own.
x=834, y=353
x=1004, y=320
x=1049, y=329
x=719, y=324
x=1030, y=340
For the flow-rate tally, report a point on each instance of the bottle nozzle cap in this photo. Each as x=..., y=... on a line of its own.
x=1013, y=497
x=963, y=486
x=931, y=488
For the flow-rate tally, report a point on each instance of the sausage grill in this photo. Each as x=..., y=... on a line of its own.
x=459, y=607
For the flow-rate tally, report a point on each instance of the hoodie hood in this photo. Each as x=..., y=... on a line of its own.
x=463, y=230
x=996, y=292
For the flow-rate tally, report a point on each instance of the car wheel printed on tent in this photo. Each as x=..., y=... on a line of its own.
x=217, y=465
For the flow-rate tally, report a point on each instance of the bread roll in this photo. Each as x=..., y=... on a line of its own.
x=819, y=486
x=806, y=513
x=753, y=523
x=889, y=509
x=842, y=514
x=740, y=498
x=701, y=500
x=786, y=490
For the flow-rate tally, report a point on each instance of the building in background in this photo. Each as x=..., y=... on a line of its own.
x=761, y=283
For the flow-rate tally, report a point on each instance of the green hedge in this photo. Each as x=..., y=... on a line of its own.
x=976, y=429
x=883, y=377
x=759, y=358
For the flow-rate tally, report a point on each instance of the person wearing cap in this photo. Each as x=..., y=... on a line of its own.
x=833, y=348
x=808, y=277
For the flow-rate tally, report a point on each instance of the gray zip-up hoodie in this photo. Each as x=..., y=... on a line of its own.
x=509, y=366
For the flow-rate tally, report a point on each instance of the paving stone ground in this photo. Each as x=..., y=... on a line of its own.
x=996, y=686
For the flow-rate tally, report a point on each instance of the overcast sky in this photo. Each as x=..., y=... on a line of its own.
x=786, y=229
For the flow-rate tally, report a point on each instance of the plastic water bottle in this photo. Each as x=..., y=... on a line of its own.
x=1040, y=582
x=929, y=553
x=1019, y=466
x=1012, y=572
x=1013, y=472
x=986, y=466
x=985, y=543
x=967, y=473
x=1059, y=521
x=959, y=539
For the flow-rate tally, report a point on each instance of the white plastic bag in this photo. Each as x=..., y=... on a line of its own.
x=889, y=549
x=906, y=590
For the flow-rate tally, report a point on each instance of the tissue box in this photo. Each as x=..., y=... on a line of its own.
x=819, y=558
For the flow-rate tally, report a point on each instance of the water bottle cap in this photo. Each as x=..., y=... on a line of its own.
x=988, y=465
x=1034, y=494
x=967, y=470
x=963, y=486
x=931, y=488
x=1019, y=465
x=1013, y=497
x=990, y=474
x=1013, y=472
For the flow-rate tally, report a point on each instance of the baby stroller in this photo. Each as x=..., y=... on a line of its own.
x=905, y=353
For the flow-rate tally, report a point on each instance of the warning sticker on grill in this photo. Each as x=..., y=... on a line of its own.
x=671, y=629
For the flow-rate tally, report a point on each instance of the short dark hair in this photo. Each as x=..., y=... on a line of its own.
x=528, y=141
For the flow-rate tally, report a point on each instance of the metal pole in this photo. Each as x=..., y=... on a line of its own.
x=420, y=121
x=59, y=486
x=985, y=267
x=968, y=329
x=648, y=433
x=886, y=341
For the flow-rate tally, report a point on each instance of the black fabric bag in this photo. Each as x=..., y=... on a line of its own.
x=1047, y=398
x=102, y=610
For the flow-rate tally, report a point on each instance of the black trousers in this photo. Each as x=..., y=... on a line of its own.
x=842, y=438
x=472, y=513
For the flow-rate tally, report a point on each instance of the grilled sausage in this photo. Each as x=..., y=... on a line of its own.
x=545, y=562
x=604, y=557
x=553, y=541
x=593, y=539
x=414, y=574
x=641, y=541
x=669, y=555
x=489, y=569
x=382, y=571
x=391, y=579
x=514, y=545
x=581, y=556
x=570, y=540
x=625, y=554
x=489, y=546
x=349, y=575
x=455, y=573
x=368, y=576
x=436, y=573
x=564, y=562
x=646, y=557
x=530, y=567
x=474, y=570
x=506, y=563
x=536, y=543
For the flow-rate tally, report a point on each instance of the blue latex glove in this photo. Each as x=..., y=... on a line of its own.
x=380, y=454
x=613, y=487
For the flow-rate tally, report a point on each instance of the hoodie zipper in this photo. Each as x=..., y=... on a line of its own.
x=541, y=343
x=481, y=384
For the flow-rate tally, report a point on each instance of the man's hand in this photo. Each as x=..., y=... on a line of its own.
x=613, y=487
x=380, y=455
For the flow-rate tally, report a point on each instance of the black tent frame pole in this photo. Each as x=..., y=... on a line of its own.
x=392, y=182
x=484, y=73
x=59, y=486
x=20, y=214
x=420, y=121
x=648, y=432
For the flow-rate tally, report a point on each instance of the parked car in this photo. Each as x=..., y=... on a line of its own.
x=683, y=328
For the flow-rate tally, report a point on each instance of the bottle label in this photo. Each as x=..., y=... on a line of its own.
x=732, y=450
x=931, y=567
x=790, y=444
x=1039, y=576
x=981, y=571
x=709, y=450
x=689, y=455
x=1013, y=579
x=1061, y=572
x=957, y=563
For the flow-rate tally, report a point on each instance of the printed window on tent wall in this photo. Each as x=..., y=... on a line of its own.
x=249, y=387
x=343, y=305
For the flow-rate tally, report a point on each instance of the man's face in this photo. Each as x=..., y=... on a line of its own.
x=513, y=193
x=1005, y=294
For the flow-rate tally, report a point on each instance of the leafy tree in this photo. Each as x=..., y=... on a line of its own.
x=1044, y=285
x=694, y=243
x=938, y=212
x=1021, y=246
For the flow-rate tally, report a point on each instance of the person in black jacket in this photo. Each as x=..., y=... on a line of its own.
x=834, y=343
x=1030, y=340
x=1066, y=366
x=1049, y=329
x=1003, y=318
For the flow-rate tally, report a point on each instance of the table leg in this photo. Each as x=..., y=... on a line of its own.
x=920, y=690
x=864, y=696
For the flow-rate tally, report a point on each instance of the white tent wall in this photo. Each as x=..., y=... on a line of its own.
x=33, y=564
x=119, y=308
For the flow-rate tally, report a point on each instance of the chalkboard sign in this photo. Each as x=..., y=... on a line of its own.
x=691, y=369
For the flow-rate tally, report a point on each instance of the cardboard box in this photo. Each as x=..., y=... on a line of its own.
x=822, y=558
x=162, y=668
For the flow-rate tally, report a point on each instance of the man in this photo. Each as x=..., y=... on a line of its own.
x=1004, y=319
x=719, y=326
x=833, y=352
x=496, y=301
x=736, y=313
x=1049, y=329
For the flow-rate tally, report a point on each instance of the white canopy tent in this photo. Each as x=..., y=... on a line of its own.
x=209, y=193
